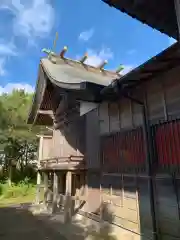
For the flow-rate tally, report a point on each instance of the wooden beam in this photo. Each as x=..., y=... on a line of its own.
x=50, y=129
x=44, y=136
x=46, y=112
x=62, y=105
x=151, y=76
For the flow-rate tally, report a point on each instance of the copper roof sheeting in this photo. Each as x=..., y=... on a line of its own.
x=158, y=14
x=158, y=65
x=67, y=73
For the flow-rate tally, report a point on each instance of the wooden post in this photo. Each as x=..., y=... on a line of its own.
x=38, y=187
x=69, y=183
x=38, y=172
x=82, y=184
x=55, y=191
x=61, y=190
x=67, y=206
x=45, y=187
x=61, y=183
x=86, y=186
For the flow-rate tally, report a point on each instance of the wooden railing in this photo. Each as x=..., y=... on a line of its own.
x=71, y=162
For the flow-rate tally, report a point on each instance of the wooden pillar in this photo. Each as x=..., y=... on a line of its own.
x=69, y=183
x=55, y=191
x=86, y=185
x=45, y=187
x=82, y=183
x=68, y=201
x=60, y=183
x=61, y=189
x=38, y=187
x=38, y=172
x=177, y=12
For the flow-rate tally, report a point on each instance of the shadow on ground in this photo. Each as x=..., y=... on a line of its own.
x=17, y=222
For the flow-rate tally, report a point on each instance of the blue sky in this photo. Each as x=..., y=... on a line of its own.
x=83, y=25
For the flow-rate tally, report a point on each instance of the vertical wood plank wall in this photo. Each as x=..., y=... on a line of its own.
x=92, y=140
x=70, y=140
x=47, y=148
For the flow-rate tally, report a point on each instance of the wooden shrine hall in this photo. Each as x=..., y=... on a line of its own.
x=114, y=139
x=66, y=89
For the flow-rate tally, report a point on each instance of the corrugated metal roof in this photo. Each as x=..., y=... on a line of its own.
x=63, y=72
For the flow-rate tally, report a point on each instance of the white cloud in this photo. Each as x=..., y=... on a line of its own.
x=127, y=68
x=86, y=35
x=8, y=88
x=172, y=41
x=2, y=67
x=7, y=49
x=96, y=57
x=31, y=18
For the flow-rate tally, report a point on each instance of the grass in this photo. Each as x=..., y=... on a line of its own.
x=14, y=201
x=17, y=193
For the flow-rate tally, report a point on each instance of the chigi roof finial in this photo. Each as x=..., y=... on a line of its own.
x=64, y=50
x=120, y=68
x=84, y=57
x=102, y=64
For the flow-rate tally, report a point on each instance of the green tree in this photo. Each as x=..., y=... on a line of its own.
x=17, y=138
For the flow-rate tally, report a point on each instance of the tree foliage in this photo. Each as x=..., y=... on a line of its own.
x=17, y=139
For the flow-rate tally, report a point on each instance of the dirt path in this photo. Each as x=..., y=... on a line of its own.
x=18, y=223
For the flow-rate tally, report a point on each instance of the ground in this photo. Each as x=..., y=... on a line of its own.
x=18, y=223
x=33, y=222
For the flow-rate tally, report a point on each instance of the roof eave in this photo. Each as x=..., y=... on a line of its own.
x=109, y=92
x=92, y=88
x=155, y=23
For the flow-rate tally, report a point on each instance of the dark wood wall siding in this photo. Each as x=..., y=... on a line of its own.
x=163, y=101
x=92, y=140
x=124, y=184
x=122, y=196
x=163, y=104
x=123, y=151
x=167, y=144
x=92, y=206
x=123, y=200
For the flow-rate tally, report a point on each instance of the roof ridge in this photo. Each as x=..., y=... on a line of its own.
x=54, y=57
